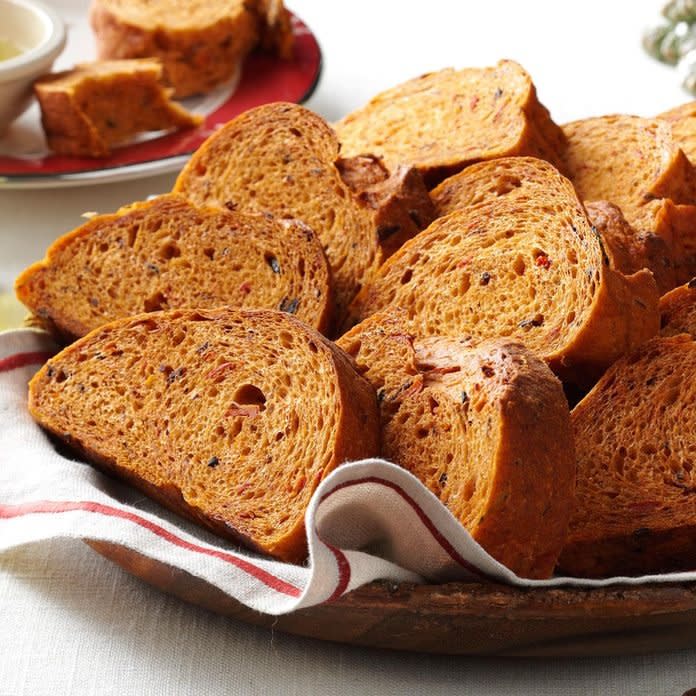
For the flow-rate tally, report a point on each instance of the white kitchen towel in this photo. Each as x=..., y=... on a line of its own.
x=368, y=520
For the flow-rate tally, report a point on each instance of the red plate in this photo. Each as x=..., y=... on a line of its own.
x=265, y=78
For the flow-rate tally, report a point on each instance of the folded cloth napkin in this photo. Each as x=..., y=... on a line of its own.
x=368, y=520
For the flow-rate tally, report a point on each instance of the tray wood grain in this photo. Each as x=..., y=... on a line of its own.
x=462, y=618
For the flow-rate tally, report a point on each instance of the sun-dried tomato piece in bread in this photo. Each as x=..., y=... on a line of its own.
x=487, y=430
x=443, y=121
x=282, y=159
x=200, y=44
x=168, y=254
x=636, y=482
x=228, y=417
x=528, y=268
x=678, y=310
x=636, y=163
x=89, y=110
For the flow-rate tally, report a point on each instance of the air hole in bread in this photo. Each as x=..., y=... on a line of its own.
x=519, y=266
x=155, y=302
x=406, y=277
x=505, y=185
x=250, y=395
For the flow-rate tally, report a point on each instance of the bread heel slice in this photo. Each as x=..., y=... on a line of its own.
x=229, y=417
x=485, y=428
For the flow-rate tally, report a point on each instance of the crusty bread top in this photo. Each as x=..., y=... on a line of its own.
x=486, y=428
x=528, y=267
x=231, y=417
x=281, y=159
x=149, y=15
x=100, y=69
x=635, y=510
x=442, y=121
x=630, y=161
x=168, y=254
x=678, y=310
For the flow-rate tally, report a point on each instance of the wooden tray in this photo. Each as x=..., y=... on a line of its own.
x=462, y=618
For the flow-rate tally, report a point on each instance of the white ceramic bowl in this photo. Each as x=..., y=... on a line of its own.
x=39, y=33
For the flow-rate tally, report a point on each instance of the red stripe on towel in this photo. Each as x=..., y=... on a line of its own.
x=427, y=522
x=12, y=362
x=51, y=507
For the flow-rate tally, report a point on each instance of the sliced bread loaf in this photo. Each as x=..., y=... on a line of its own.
x=637, y=164
x=229, y=417
x=487, y=430
x=200, y=44
x=636, y=479
x=443, y=121
x=95, y=107
x=678, y=310
x=282, y=159
x=168, y=254
x=683, y=122
x=528, y=268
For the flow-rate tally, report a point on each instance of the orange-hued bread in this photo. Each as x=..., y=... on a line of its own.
x=630, y=251
x=683, y=122
x=678, y=310
x=443, y=121
x=634, y=438
x=637, y=164
x=487, y=430
x=229, y=417
x=283, y=159
x=528, y=267
x=168, y=254
x=200, y=44
x=95, y=107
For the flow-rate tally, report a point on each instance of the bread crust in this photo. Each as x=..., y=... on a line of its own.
x=678, y=311
x=485, y=428
x=167, y=253
x=245, y=457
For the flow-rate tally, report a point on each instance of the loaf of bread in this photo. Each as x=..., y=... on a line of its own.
x=636, y=164
x=282, y=159
x=528, y=268
x=229, y=417
x=683, y=122
x=443, y=121
x=199, y=44
x=168, y=254
x=485, y=428
x=635, y=511
x=678, y=310
x=89, y=110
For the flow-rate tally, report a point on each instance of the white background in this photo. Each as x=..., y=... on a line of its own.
x=71, y=623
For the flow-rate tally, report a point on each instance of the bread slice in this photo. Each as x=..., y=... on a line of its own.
x=200, y=44
x=635, y=509
x=168, y=254
x=443, y=121
x=282, y=159
x=228, y=417
x=511, y=177
x=636, y=164
x=89, y=110
x=487, y=430
x=528, y=268
x=678, y=310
